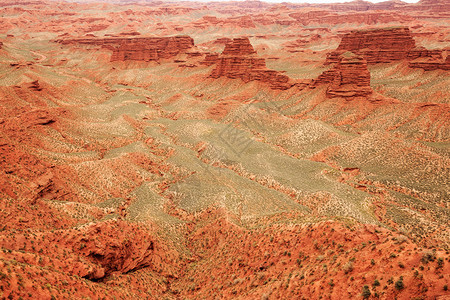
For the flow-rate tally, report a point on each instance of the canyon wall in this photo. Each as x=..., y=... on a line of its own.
x=348, y=78
x=138, y=48
x=386, y=45
x=376, y=45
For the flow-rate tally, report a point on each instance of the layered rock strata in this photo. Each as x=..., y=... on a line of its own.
x=348, y=78
x=138, y=48
x=431, y=63
x=376, y=45
x=238, y=60
x=388, y=45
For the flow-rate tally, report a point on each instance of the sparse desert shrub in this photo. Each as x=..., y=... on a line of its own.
x=428, y=256
x=366, y=292
x=399, y=284
x=376, y=283
x=440, y=262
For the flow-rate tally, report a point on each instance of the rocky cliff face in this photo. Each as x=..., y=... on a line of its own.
x=137, y=48
x=239, y=47
x=431, y=63
x=429, y=60
x=354, y=17
x=388, y=45
x=438, y=6
x=376, y=45
x=238, y=60
x=210, y=59
x=348, y=78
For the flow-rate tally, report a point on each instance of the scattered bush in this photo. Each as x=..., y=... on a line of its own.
x=440, y=262
x=366, y=292
x=428, y=256
x=376, y=282
x=399, y=284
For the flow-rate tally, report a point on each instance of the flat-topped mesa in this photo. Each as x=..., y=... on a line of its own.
x=239, y=47
x=138, y=48
x=238, y=60
x=382, y=45
x=349, y=78
x=154, y=49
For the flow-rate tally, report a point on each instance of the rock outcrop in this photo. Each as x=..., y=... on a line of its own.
x=435, y=6
x=429, y=60
x=389, y=45
x=348, y=78
x=360, y=17
x=376, y=45
x=431, y=63
x=210, y=59
x=138, y=48
x=239, y=47
x=233, y=22
x=421, y=52
x=239, y=60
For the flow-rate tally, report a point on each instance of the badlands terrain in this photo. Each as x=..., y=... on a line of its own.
x=224, y=150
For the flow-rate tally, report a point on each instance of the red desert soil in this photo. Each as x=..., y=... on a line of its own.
x=224, y=150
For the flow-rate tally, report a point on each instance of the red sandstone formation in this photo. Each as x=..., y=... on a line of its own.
x=388, y=45
x=430, y=64
x=333, y=18
x=239, y=47
x=210, y=59
x=222, y=41
x=140, y=48
x=348, y=78
x=434, y=6
x=240, y=21
x=430, y=60
x=376, y=45
x=293, y=46
x=238, y=61
x=421, y=52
